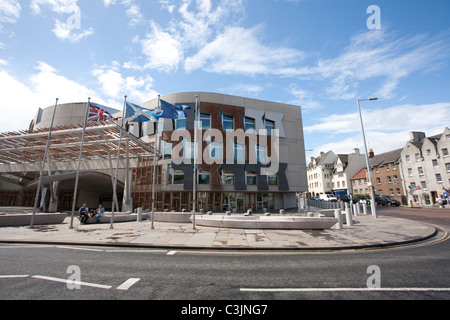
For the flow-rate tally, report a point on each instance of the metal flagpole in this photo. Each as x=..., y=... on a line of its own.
x=195, y=162
x=36, y=199
x=154, y=165
x=75, y=191
x=117, y=166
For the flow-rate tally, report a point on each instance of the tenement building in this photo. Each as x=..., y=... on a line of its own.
x=425, y=163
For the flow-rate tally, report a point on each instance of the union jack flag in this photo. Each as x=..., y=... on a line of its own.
x=97, y=113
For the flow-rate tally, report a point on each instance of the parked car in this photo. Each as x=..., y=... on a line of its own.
x=362, y=199
x=315, y=198
x=391, y=202
x=328, y=197
x=381, y=200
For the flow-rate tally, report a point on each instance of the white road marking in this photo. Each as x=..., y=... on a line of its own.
x=87, y=284
x=340, y=289
x=79, y=249
x=127, y=284
x=171, y=253
x=14, y=276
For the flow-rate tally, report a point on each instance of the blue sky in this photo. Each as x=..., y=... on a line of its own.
x=318, y=54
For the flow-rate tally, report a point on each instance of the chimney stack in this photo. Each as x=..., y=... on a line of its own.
x=371, y=154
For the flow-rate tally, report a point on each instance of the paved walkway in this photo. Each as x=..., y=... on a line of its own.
x=365, y=232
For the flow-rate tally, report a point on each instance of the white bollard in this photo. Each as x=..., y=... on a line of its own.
x=338, y=215
x=365, y=208
x=139, y=215
x=349, y=218
x=354, y=210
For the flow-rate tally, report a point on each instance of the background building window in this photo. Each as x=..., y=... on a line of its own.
x=228, y=123
x=272, y=180
x=438, y=178
x=249, y=125
x=205, y=120
x=270, y=125
x=180, y=124
x=251, y=178
x=203, y=177
x=228, y=177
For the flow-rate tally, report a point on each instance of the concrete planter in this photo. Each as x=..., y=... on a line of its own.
x=267, y=222
x=15, y=220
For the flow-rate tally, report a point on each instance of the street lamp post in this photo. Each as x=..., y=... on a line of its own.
x=369, y=174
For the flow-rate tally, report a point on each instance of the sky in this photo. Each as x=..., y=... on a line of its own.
x=322, y=55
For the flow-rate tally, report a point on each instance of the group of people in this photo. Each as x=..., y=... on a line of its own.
x=85, y=214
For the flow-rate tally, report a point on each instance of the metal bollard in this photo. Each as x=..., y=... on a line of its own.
x=338, y=215
x=365, y=208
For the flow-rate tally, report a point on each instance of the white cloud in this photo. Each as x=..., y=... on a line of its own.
x=239, y=51
x=66, y=31
x=378, y=55
x=10, y=11
x=163, y=50
x=114, y=85
x=71, y=29
x=303, y=98
x=386, y=129
x=58, y=6
x=39, y=90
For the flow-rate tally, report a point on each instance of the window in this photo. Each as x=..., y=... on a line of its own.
x=387, y=167
x=435, y=163
x=251, y=178
x=205, y=120
x=394, y=167
x=228, y=177
x=410, y=172
x=391, y=192
x=214, y=149
x=389, y=179
x=175, y=176
x=180, y=124
x=239, y=152
x=261, y=154
x=399, y=192
x=203, y=177
x=272, y=180
x=417, y=156
x=420, y=169
x=438, y=178
x=445, y=152
x=428, y=152
x=423, y=184
x=167, y=149
x=379, y=180
x=227, y=123
x=447, y=167
x=408, y=158
x=270, y=125
x=395, y=179
x=249, y=124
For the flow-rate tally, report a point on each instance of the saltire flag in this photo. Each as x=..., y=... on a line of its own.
x=135, y=113
x=170, y=111
x=98, y=113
